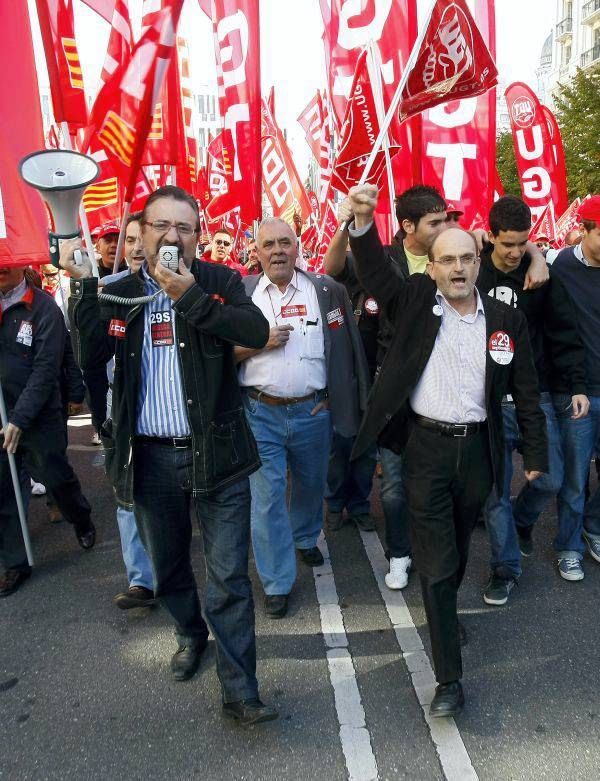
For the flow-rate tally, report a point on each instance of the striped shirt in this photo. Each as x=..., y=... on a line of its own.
x=161, y=410
x=452, y=387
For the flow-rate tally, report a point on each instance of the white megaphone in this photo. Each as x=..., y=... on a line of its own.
x=61, y=177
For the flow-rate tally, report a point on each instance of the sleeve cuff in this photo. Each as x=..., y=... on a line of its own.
x=358, y=232
x=84, y=288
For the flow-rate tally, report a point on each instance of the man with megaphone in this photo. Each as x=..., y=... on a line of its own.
x=178, y=431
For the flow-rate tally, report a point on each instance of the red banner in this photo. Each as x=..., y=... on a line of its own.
x=534, y=151
x=23, y=219
x=237, y=45
x=567, y=221
x=329, y=225
x=103, y=8
x=281, y=182
x=64, y=68
x=358, y=133
x=545, y=226
x=120, y=41
x=122, y=115
x=559, y=159
x=459, y=141
x=311, y=121
x=187, y=169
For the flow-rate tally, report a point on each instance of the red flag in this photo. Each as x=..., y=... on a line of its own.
x=329, y=226
x=206, y=7
x=311, y=121
x=237, y=45
x=567, y=221
x=358, y=133
x=187, y=168
x=23, y=219
x=281, y=182
x=459, y=141
x=103, y=8
x=559, y=159
x=64, y=68
x=546, y=225
x=122, y=116
x=223, y=187
x=120, y=40
x=534, y=151
x=450, y=61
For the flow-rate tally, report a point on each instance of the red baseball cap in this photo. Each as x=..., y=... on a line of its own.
x=452, y=209
x=107, y=229
x=590, y=209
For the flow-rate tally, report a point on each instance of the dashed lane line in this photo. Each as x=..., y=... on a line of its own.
x=354, y=735
x=454, y=759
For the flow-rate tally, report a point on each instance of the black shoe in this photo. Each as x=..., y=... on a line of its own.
x=364, y=522
x=334, y=521
x=135, y=596
x=525, y=540
x=498, y=589
x=311, y=556
x=86, y=535
x=12, y=580
x=248, y=712
x=276, y=605
x=186, y=660
x=448, y=701
x=463, y=637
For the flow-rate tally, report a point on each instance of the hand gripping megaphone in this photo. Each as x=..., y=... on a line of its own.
x=61, y=177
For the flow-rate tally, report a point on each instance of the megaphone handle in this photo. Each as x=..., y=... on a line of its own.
x=54, y=250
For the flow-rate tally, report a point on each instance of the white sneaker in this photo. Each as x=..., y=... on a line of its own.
x=96, y=439
x=37, y=489
x=397, y=577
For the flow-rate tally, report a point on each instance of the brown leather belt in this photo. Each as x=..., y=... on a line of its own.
x=279, y=401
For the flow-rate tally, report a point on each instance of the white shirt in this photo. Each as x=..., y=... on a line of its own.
x=298, y=368
x=452, y=387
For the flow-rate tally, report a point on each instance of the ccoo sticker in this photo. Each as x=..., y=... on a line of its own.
x=501, y=347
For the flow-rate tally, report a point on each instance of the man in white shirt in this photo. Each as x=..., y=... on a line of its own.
x=314, y=357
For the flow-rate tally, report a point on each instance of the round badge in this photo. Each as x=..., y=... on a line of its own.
x=371, y=307
x=501, y=347
x=437, y=310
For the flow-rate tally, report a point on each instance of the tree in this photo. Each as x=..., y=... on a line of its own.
x=578, y=115
x=507, y=163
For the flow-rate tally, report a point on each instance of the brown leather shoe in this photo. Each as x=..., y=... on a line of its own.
x=54, y=514
x=12, y=580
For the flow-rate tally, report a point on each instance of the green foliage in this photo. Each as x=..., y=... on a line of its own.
x=578, y=114
x=507, y=164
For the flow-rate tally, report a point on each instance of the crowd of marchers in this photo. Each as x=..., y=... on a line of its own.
x=270, y=397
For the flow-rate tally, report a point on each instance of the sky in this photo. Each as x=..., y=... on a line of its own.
x=292, y=56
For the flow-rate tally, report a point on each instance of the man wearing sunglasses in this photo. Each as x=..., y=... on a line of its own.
x=220, y=252
x=454, y=354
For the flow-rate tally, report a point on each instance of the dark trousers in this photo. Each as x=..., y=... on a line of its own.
x=96, y=384
x=349, y=482
x=162, y=491
x=393, y=502
x=447, y=480
x=45, y=459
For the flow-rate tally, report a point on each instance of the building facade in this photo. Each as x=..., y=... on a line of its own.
x=576, y=41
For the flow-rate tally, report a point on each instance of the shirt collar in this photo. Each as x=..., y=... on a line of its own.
x=579, y=255
x=264, y=282
x=441, y=299
x=145, y=275
x=17, y=293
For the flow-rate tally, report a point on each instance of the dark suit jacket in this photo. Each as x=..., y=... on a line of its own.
x=348, y=379
x=409, y=304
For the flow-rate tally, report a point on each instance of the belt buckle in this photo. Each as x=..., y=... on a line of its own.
x=464, y=426
x=177, y=443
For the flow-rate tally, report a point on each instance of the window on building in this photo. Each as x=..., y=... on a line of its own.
x=566, y=54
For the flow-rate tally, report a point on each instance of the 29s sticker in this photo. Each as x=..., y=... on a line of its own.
x=501, y=348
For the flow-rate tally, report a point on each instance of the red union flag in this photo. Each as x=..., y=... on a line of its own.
x=559, y=159
x=122, y=115
x=567, y=221
x=103, y=8
x=358, y=133
x=311, y=121
x=545, y=226
x=328, y=228
x=450, y=61
x=223, y=187
x=64, y=69
x=119, y=41
x=541, y=181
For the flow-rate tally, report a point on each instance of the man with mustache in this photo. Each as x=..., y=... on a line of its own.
x=438, y=400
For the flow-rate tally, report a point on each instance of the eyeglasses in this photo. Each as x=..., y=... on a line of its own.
x=164, y=226
x=222, y=243
x=465, y=260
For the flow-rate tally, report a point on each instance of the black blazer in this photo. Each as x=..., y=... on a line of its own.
x=409, y=304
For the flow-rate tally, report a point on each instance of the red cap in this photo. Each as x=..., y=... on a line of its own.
x=541, y=236
x=590, y=209
x=452, y=209
x=107, y=229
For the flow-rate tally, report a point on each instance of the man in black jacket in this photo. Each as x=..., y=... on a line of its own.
x=559, y=360
x=32, y=343
x=438, y=398
x=178, y=432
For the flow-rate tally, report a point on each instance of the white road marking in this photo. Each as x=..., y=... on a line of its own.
x=454, y=759
x=354, y=735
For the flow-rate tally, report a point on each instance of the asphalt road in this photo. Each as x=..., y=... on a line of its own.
x=86, y=693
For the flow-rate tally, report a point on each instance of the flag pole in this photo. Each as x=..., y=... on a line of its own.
x=374, y=66
x=121, y=241
x=16, y=485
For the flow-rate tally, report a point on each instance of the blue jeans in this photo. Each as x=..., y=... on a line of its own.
x=137, y=563
x=162, y=487
x=288, y=437
x=502, y=518
x=349, y=482
x=580, y=440
x=393, y=501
